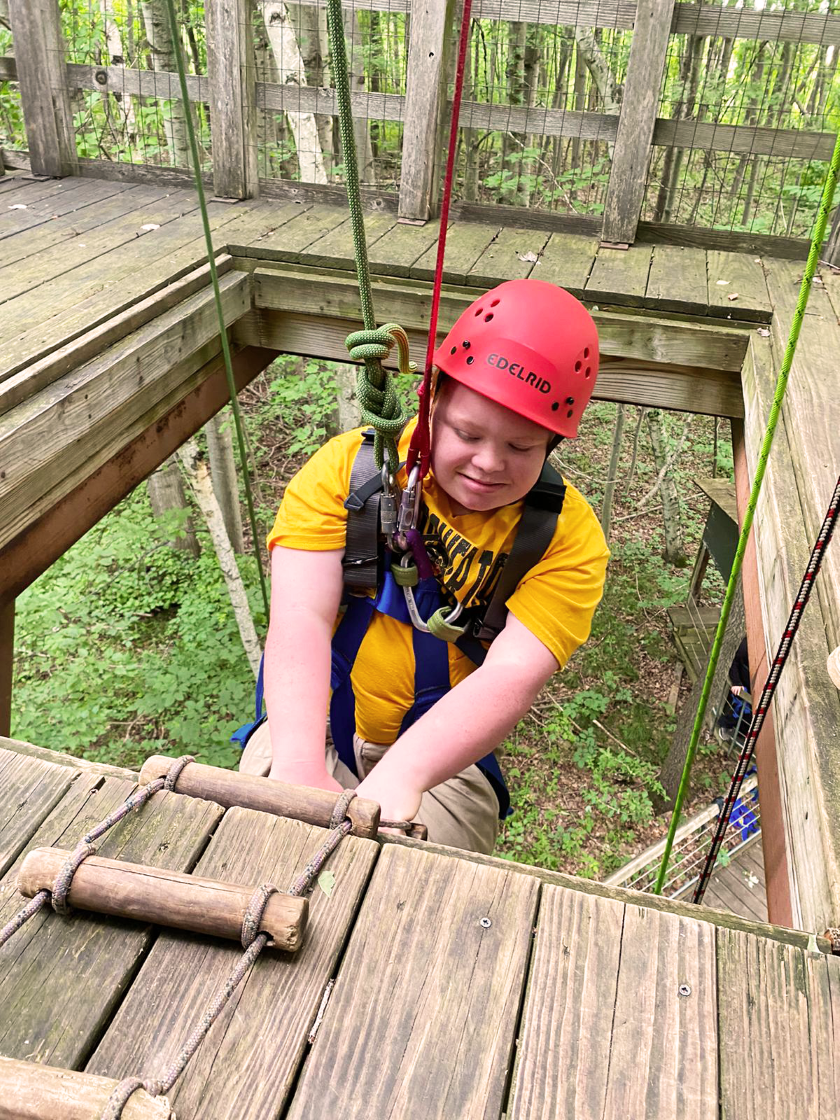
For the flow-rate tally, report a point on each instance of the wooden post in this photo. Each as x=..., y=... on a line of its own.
x=42, y=74
x=233, y=116
x=165, y=898
x=7, y=664
x=229, y=788
x=37, y=1092
x=424, y=105
x=631, y=156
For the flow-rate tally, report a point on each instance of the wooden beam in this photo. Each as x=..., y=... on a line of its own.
x=426, y=77
x=776, y=872
x=233, y=114
x=631, y=156
x=44, y=89
x=39, y=1092
x=7, y=664
x=70, y=517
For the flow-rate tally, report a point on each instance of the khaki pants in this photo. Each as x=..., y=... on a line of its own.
x=462, y=813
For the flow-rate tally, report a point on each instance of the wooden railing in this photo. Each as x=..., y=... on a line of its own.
x=233, y=93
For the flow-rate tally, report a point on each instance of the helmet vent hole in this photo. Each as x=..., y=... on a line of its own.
x=577, y=366
x=478, y=312
x=466, y=345
x=570, y=413
x=570, y=400
x=470, y=360
x=487, y=318
x=587, y=371
x=453, y=350
x=586, y=352
x=555, y=406
x=495, y=303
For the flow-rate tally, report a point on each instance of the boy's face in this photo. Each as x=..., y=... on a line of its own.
x=484, y=456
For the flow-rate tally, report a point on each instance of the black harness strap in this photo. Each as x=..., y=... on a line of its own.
x=361, y=552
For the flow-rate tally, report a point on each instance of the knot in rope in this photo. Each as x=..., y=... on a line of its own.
x=254, y=914
x=380, y=406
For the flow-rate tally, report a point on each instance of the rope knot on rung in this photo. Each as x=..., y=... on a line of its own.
x=64, y=879
x=254, y=913
x=341, y=806
x=175, y=770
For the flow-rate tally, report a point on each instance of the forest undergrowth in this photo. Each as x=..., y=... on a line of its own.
x=127, y=647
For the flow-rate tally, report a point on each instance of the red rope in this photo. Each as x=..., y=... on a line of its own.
x=420, y=447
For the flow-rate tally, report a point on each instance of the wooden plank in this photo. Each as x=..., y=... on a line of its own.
x=60, y=980
x=736, y=274
x=44, y=89
x=620, y=277
x=96, y=243
x=588, y=13
x=566, y=1039
x=335, y=248
x=824, y=1016
x=765, y=1031
x=64, y=197
x=39, y=1092
x=512, y=255
x=631, y=156
x=786, y=26
x=782, y=143
x=667, y=233
x=94, y=411
x=247, y=1066
x=677, y=280
x=233, y=114
x=47, y=235
x=29, y=790
x=58, y=758
x=464, y=245
x=92, y=495
x=17, y=388
x=722, y=493
x=452, y=987
x=426, y=77
x=806, y=705
x=567, y=260
x=7, y=664
x=135, y=273
x=405, y=244
x=536, y=119
x=305, y=226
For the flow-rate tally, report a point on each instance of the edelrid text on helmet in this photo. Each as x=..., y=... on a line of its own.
x=531, y=347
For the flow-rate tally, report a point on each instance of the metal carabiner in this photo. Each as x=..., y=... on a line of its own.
x=414, y=614
x=409, y=507
x=388, y=511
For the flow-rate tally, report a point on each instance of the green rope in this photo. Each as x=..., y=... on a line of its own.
x=214, y=277
x=380, y=404
x=761, y=467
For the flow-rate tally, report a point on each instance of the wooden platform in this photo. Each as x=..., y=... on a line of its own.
x=740, y=887
x=465, y=986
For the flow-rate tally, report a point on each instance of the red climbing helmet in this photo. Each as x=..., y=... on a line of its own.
x=530, y=346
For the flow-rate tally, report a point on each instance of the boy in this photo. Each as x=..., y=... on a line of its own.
x=516, y=372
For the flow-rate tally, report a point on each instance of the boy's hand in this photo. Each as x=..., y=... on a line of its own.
x=397, y=801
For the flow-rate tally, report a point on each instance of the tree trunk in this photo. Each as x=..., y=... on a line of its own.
x=281, y=36
x=310, y=29
x=609, y=490
x=198, y=477
x=361, y=132
x=156, y=23
x=683, y=110
x=266, y=118
x=673, y=552
x=470, y=135
x=223, y=474
x=608, y=88
x=672, y=767
x=166, y=493
x=116, y=57
x=515, y=142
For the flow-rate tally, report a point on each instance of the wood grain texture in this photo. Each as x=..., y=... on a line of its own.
x=395, y=254
x=741, y=275
x=29, y=789
x=677, y=280
x=607, y=1033
x=61, y=978
x=464, y=245
x=510, y=256
x=61, y=202
x=246, y=1066
x=428, y=1029
x=102, y=400
x=426, y=76
x=233, y=114
x=38, y=1092
x=335, y=248
x=635, y=126
x=768, y=1037
x=806, y=704
x=620, y=276
x=567, y=260
x=20, y=746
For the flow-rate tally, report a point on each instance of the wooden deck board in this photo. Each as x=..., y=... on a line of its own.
x=567, y=260
x=677, y=280
x=620, y=276
x=29, y=790
x=61, y=978
x=246, y=1067
x=512, y=255
x=404, y=245
x=741, y=275
x=464, y=245
x=307, y=225
x=44, y=206
x=425, y=1029
x=335, y=248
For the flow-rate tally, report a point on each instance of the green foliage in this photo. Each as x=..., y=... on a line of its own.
x=301, y=396
x=127, y=647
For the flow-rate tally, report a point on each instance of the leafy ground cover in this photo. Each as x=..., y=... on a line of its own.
x=127, y=647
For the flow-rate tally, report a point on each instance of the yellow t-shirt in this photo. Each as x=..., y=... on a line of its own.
x=555, y=600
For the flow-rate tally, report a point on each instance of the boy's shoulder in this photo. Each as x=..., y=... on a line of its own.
x=578, y=523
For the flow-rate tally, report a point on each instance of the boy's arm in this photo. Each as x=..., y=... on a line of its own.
x=467, y=723
x=306, y=590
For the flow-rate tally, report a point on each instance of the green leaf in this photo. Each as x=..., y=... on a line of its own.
x=326, y=881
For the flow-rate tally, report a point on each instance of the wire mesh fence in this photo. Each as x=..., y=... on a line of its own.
x=12, y=131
